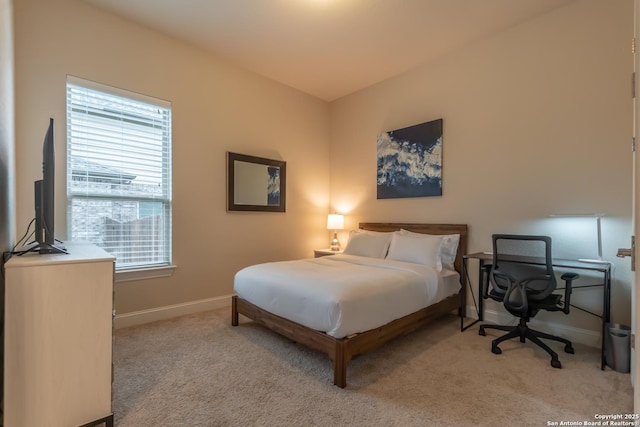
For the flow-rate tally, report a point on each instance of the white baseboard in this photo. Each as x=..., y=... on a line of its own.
x=162, y=313
x=587, y=337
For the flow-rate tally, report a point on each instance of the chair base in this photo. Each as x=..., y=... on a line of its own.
x=523, y=332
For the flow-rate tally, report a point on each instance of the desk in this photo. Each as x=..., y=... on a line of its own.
x=485, y=259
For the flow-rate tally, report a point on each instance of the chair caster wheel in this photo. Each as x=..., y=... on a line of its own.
x=569, y=349
x=556, y=363
x=482, y=332
x=495, y=349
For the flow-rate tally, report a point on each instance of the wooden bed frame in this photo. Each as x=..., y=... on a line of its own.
x=342, y=350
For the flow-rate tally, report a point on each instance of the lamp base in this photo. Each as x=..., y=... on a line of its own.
x=335, y=243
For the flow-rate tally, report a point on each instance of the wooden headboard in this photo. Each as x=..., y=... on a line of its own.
x=460, y=229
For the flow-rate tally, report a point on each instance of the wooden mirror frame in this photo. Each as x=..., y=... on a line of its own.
x=231, y=190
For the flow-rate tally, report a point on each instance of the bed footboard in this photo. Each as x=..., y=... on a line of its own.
x=315, y=340
x=342, y=350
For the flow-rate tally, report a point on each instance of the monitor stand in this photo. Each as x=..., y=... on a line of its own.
x=45, y=248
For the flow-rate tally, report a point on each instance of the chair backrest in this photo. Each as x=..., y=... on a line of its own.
x=509, y=252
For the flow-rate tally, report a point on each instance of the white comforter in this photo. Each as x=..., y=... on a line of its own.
x=343, y=294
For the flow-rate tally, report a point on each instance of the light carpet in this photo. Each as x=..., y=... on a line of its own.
x=198, y=370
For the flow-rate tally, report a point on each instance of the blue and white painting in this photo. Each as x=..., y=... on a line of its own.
x=273, y=186
x=410, y=161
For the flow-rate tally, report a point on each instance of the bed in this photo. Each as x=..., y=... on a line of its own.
x=346, y=305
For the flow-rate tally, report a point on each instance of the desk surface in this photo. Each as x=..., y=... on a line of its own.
x=557, y=262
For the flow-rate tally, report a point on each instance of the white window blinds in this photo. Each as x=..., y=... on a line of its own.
x=119, y=173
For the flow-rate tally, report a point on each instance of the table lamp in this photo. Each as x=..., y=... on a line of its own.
x=335, y=222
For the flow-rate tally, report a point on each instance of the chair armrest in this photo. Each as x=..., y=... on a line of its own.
x=570, y=276
x=568, y=279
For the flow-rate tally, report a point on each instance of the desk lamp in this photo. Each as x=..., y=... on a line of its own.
x=598, y=217
x=335, y=222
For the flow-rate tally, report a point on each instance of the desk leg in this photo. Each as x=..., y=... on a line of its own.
x=606, y=315
x=462, y=310
x=463, y=295
x=479, y=306
x=481, y=290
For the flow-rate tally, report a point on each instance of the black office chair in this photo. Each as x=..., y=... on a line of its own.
x=522, y=278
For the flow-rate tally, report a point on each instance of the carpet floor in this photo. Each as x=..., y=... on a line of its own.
x=198, y=370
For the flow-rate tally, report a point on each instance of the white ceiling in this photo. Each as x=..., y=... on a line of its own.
x=329, y=48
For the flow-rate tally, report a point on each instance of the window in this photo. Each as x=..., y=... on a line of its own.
x=119, y=173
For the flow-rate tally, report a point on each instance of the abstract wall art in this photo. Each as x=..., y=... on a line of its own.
x=410, y=161
x=273, y=186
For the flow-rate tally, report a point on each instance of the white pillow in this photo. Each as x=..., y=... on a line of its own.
x=372, y=244
x=419, y=250
x=449, y=247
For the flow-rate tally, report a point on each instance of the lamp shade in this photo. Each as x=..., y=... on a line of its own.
x=335, y=222
x=598, y=217
x=577, y=215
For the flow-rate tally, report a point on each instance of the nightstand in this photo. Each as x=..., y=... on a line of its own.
x=317, y=253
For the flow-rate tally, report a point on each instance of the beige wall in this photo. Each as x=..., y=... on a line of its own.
x=216, y=108
x=538, y=116
x=537, y=120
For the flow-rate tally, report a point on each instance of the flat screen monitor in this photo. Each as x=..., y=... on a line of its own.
x=44, y=190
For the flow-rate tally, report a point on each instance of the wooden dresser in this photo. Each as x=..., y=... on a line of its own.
x=58, y=338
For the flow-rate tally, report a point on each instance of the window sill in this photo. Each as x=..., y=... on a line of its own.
x=144, y=273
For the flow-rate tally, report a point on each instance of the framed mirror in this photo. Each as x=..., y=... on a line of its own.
x=255, y=183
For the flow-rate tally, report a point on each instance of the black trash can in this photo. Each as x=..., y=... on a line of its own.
x=618, y=347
